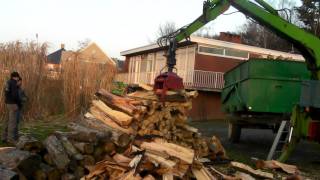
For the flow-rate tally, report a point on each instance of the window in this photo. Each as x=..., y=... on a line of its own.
x=211, y=50
x=236, y=53
x=220, y=51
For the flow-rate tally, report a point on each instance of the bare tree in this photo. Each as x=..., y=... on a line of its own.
x=166, y=28
x=84, y=43
x=257, y=35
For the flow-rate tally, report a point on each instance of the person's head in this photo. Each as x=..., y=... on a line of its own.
x=15, y=75
x=19, y=81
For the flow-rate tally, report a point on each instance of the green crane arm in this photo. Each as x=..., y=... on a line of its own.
x=265, y=15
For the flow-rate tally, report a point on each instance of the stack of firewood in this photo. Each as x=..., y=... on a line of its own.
x=138, y=136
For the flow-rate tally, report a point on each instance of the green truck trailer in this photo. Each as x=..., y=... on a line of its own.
x=260, y=93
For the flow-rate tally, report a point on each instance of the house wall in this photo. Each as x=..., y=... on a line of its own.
x=146, y=66
x=94, y=54
x=207, y=106
x=215, y=63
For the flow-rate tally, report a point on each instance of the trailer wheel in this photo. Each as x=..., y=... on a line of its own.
x=234, y=132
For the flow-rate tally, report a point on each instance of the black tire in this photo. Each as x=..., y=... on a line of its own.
x=234, y=132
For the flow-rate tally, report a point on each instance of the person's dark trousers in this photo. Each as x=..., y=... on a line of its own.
x=19, y=117
x=10, y=128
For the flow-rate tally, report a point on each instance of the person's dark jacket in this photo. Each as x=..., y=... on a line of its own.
x=22, y=98
x=12, y=92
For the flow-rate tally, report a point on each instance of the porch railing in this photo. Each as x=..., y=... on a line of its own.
x=196, y=79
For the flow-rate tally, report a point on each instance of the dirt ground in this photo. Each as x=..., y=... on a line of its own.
x=256, y=143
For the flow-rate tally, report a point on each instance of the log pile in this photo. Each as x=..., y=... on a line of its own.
x=133, y=137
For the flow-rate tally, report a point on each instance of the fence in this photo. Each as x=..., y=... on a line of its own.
x=195, y=79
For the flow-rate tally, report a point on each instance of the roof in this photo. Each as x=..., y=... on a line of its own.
x=214, y=42
x=55, y=57
x=94, y=44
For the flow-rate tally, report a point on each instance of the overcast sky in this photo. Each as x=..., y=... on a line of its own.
x=115, y=25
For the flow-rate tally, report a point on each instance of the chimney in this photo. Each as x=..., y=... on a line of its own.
x=225, y=36
x=62, y=46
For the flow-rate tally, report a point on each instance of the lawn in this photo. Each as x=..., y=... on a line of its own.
x=42, y=128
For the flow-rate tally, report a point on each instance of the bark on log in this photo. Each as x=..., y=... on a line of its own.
x=48, y=159
x=109, y=147
x=87, y=161
x=116, y=102
x=29, y=143
x=87, y=134
x=119, y=117
x=79, y=172
x=24, y=161
x=46, y=172
x=57, y=152
x=118, y=137
x=70, y=149
x=6, y=174
x=68, y=176
x=84, y=148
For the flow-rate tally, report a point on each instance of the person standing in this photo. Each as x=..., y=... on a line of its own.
x=12, y=100
x=22, y=100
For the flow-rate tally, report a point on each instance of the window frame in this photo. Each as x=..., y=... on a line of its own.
x=224, y=52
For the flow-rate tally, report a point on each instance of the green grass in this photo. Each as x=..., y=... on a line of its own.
x=41, y=129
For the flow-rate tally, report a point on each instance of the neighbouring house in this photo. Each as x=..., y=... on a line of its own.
x=120, y=64
x=201, y=62
x=92, y=53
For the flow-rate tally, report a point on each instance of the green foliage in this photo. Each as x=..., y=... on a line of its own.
x=119, y=88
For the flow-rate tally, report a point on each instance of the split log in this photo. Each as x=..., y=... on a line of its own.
x=29, y=143
x=246, y=168
x=84, y=148
x=201, y=174
x=171, y=149
x=290, y=169
x=23, y=161
x=6, y=174
x=223, y=176
x=130, y=176
x=157, y=159
x=122, y=160
x=56, y=152
x=70, y=149
x=116, y=102
x=149, y=177
x=119, y=117
x=109, y=122
x=167, y=176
